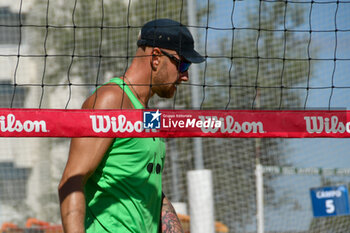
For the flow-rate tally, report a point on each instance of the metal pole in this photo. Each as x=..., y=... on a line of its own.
x=259, y=180
x=195, y=91
x=201, y=201
x=259, y=197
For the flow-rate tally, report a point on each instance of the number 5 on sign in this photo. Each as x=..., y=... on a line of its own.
x=330, y=201
x=330, y=208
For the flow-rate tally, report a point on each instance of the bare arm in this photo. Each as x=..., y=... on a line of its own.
x=170, y=223
x=84, y=156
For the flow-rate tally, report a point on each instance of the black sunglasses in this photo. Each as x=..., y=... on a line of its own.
x=182, y=66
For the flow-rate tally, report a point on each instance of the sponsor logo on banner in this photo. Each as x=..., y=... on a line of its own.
x=151, y=119
x=156, y=120
x=201, y=123
x=320, y=124
x=105, y=124
x=212, y=124
x=10, y=124
x=229, y=125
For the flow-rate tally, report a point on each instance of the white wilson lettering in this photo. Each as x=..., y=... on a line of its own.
x=319, y=124
x=229, y=125
x=104, y=124
x=10, y=124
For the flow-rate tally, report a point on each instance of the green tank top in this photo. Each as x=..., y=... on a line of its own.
x=124, y=194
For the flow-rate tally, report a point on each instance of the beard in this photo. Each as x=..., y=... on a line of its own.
x=166, y=91
x=165, y=87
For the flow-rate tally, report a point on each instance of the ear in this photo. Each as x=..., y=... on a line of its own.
x=155, y=58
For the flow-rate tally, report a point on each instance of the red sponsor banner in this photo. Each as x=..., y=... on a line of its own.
x=173, y=123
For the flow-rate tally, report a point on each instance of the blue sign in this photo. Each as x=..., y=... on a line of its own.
x=151, y=119
x=330, y=201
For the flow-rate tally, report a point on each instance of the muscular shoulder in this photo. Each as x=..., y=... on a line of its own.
x=109, y=96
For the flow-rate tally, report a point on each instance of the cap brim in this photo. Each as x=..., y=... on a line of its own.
x=193, y=56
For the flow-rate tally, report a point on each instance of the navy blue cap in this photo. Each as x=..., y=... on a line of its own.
x=169, y=34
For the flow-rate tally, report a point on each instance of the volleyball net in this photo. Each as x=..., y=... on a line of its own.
x=265, y=113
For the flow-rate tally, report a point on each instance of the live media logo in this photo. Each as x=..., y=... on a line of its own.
x=151, y=119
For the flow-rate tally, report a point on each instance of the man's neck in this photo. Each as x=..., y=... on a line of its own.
x=141, y=89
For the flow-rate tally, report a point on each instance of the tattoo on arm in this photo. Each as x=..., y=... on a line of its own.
x=169, y=220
